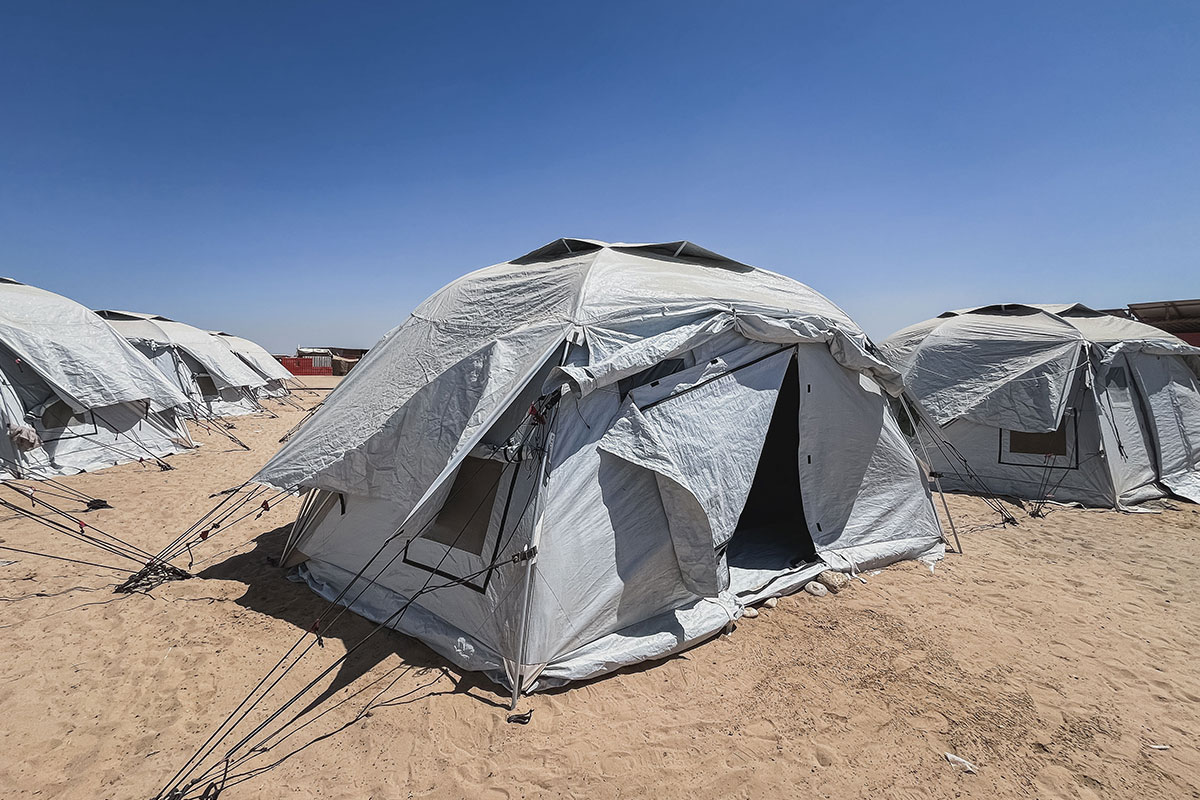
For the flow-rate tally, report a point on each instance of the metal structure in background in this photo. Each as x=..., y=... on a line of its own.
x=1180, y=317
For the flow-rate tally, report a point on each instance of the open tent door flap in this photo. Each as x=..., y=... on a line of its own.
x=700, y=432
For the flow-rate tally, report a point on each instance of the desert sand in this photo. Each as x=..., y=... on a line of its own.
x=1056, y=656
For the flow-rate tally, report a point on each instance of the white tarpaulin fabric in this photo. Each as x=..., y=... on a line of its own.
x=497, y=323
x=218, y=360
x=74, y=395
x=216, y=380
x=1173, y=395
x=76, y=352
x=607, y=527
x=1011, y=368
x=1112, y=402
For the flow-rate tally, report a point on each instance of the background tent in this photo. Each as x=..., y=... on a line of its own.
x=74, y=395
x=258, y=359
x=1058, y=402
x=601, y=453
x=200, y=364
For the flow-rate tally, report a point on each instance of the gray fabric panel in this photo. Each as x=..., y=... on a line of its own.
x=348, y=541
x=1172, y=392
x=657, y=637
x=865, y=496
x=379, y=603
x=1009, y=372
x=105, y=437
x=605, y=560
x=1128, y=446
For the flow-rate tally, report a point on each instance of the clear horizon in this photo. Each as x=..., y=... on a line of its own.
x=305, y=174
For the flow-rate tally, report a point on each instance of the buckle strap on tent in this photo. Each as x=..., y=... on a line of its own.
x=525, y=555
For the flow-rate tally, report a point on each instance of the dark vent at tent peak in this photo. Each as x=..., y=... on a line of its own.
x=559, y=248
x=128, y=315
x=1009, y=309
x=674, y=251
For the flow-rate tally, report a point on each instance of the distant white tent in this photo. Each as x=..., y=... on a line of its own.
x=74, y=395
x=602, y=454
x=1058, y=402
x=204, y=367
x=258, y=359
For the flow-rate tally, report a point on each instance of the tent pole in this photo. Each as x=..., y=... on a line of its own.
x=937, y=479
x=530, y=555
x=520, y=665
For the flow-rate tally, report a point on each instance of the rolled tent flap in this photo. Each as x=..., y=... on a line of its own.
x=700, y=432
x=851, y=350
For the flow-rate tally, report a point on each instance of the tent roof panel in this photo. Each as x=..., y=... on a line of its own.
x=475, y=339
x=77, y=352
x=226, y=369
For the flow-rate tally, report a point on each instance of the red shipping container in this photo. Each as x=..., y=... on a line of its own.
x=304, y=366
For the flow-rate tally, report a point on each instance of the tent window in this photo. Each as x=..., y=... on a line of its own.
x=659, y=371
x=208, y=387
x=463, y=521
x=1039, y=444
x=60, y=415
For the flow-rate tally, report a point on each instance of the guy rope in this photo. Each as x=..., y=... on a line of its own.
x=195, y=781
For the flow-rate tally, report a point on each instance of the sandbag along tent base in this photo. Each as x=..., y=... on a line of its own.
x=74, y=396
x=601, y=454
x=1058, y=402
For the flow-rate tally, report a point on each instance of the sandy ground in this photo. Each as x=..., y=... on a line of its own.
x=1053, y=655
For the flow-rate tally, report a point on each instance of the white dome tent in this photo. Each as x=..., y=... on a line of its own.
x=213, y=377
x=276, y=375
x=74, y=395
x=1058, y=402
x=601, y=454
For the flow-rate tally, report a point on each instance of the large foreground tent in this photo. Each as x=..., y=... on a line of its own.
x=1057, y=402
x=600, y=454
x=74, y=395
x=258, y=359
x=214, y=378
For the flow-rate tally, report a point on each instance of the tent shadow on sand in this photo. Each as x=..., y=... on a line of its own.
x=268, y=591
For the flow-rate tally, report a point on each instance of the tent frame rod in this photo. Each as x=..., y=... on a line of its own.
x=530, y=555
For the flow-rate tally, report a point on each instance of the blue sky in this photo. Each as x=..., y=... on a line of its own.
x=305, y=173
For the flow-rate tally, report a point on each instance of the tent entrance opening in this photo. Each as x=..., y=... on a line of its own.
x=772, y=535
